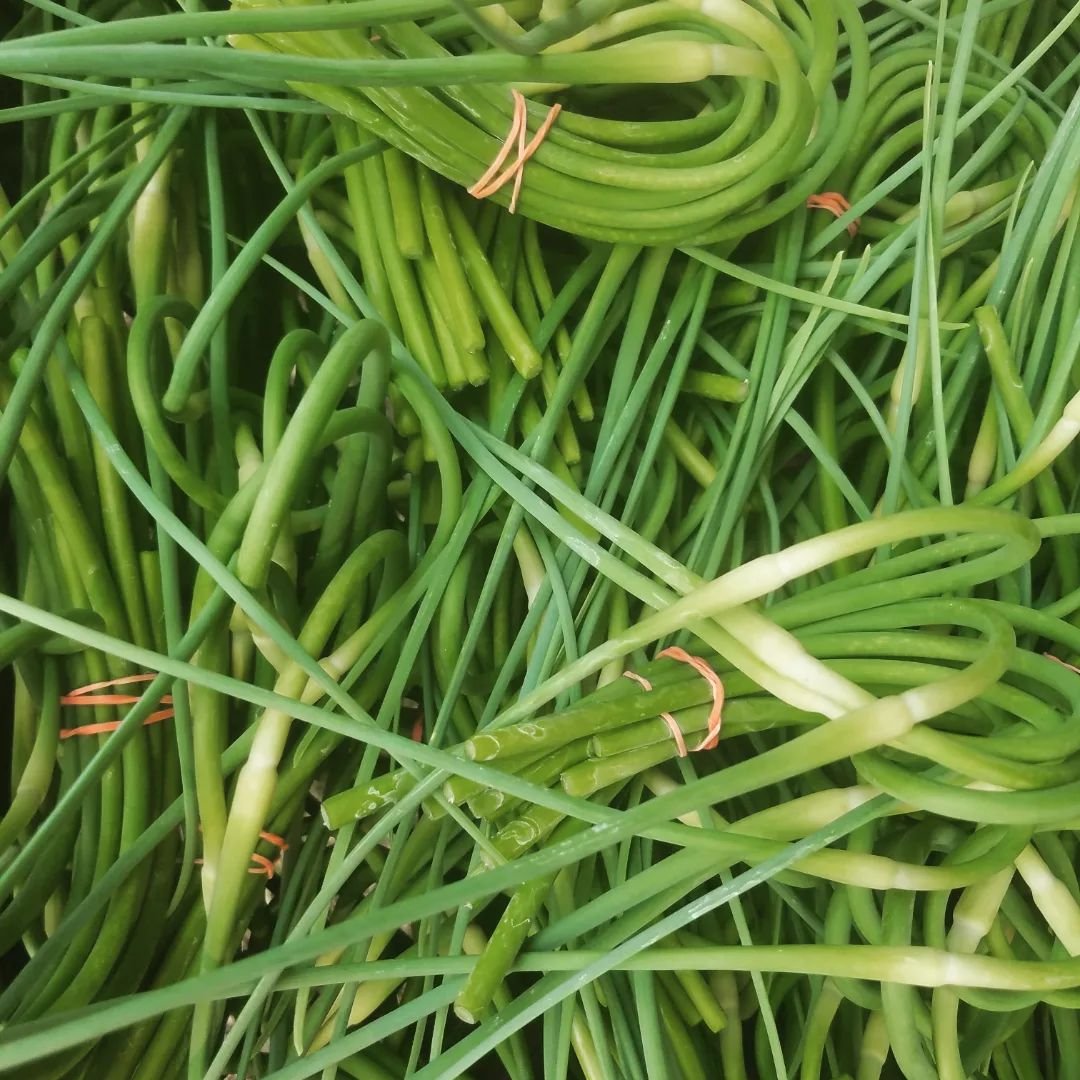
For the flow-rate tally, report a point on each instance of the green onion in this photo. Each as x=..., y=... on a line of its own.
x=378, y=556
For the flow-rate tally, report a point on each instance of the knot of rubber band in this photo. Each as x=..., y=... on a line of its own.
x=493, y=180
x=263, y=865
x=266, y=866
x=712, y=734
x=836, y=204
x=87, y=697
x=669, y=720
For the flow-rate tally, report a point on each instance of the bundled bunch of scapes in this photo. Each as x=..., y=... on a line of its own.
x=629, y=636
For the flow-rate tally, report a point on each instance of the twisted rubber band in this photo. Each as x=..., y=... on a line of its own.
x=837, y=205
x=669, y=720
x=481, y=189
x=263, y=865
x=85, y=696
x=492, y=180
x=712, y=735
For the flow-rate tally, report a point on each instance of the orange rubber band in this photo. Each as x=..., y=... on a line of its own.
x=482, y=188
x=85, y=696
x=271, y=838
x=836, y=204
x=676, y=733
x=712, y=735
x=277, y=841
x=79, y=696
x=669, y=720
x=492, y=180
x=1063, y=663
x=263, y=865
x=522, y=149
x=534, y=145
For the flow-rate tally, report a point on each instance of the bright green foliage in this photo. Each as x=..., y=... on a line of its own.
x=384, y=488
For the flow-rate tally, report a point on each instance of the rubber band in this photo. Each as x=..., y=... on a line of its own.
x=837, y=205
x=263, y=865
x=533, y=146
x=676, y=733
x=125, y=680
x=712, y=735
x=639, y=679
x=85, y=697
x=273, y=838
x=1063, y=663
x=669, y=720
x=492, y=180
x=522, y=149
x=481, y=189
x=104, y=699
